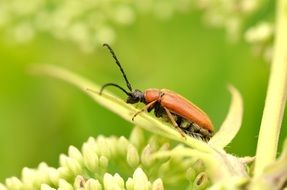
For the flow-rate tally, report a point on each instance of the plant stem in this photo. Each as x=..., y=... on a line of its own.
x=276, y=95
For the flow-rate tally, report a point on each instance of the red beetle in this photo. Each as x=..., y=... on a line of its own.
x=184, y=115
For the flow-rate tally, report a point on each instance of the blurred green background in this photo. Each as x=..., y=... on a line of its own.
x=40, y=116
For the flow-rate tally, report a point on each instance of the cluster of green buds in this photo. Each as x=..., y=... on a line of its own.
x=243, y=19
x=87, y=23
x=261, y=39
x=90, y=23
x=229, y=15
x=115, y=163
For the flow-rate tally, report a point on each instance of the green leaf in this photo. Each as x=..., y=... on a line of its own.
x=232, y=122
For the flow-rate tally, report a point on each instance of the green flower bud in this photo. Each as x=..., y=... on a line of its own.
x=140, y=180
x=190, y=174
x=122, y=145
x=53, y=175
x=198, y=166
x=103, y=147
x=146, y=157
x=111, y=183
x=132, y=156
x=46, y=187
x=103, y=162
x=112, y=143
x=28, y=175
x=64, y=185
x=13, y=183
x=201, y=181
x=91, y=160
x=2, y=187
x=137, y=137
x=75, y=154
x=119, y=180
x=79, y=182
x=93, y=184
x=157, y=185
x=130, y=184
x=64, y=172
x=70, y=164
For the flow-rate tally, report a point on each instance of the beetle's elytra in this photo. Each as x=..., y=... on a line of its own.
x=184, y=115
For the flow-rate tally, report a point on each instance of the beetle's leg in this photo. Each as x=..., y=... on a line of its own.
x=179, y=121
x=144, y=108
x=158, y=110
x=173, y=122
x=149, y=109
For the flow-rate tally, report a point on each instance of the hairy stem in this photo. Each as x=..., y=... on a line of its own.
x=276, y=95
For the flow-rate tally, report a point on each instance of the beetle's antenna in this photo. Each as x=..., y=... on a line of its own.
x=118, y=63
x=115, y=85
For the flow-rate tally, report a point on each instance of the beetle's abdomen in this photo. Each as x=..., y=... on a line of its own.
x=178, y=105
x=151, y=94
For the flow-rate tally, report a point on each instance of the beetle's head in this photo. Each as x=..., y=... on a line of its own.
x=135, y=97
